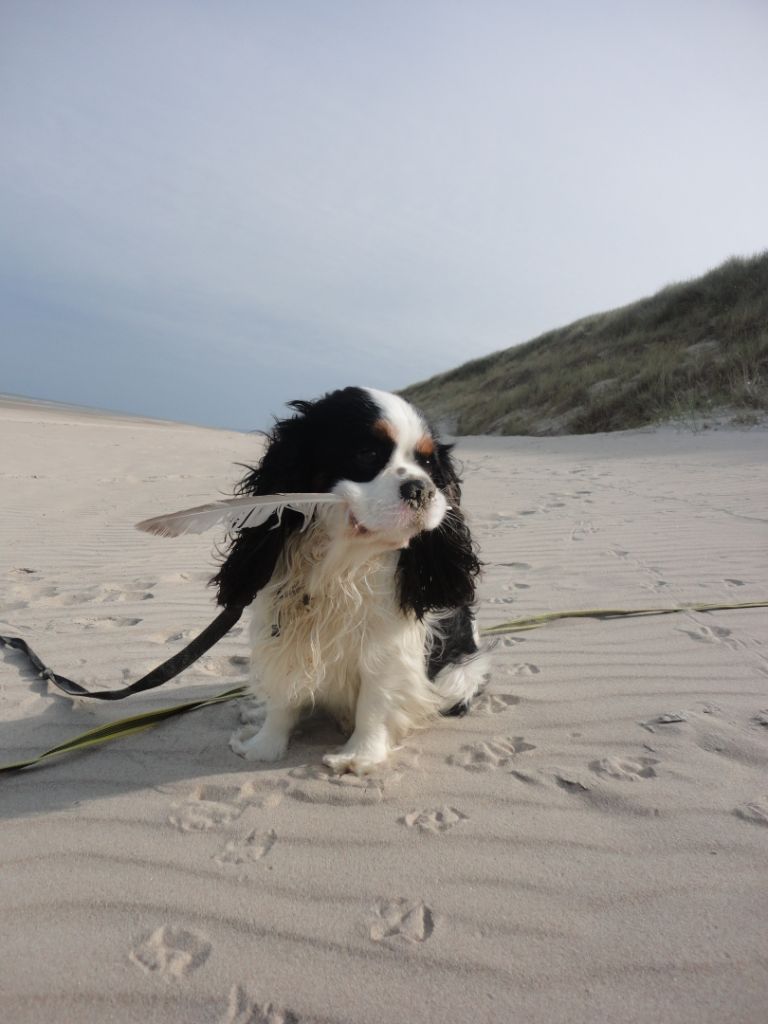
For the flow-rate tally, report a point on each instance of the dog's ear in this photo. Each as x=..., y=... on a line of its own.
x=439, y=568
x=252, y=554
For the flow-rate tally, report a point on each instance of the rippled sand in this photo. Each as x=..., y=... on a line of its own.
x=589, y=845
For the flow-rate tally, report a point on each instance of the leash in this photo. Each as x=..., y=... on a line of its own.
x=221, y=625
x=170, y=668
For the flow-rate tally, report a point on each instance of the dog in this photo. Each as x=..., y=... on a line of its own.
x=365, y=608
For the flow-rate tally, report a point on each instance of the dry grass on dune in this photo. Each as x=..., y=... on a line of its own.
x=690, y=350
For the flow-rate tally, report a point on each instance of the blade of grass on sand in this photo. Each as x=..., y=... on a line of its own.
x=611, y=613
x=126, y=727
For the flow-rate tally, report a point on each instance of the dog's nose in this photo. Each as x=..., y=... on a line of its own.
x=417, y=492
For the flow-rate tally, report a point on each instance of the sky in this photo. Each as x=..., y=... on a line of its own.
x=211, y=207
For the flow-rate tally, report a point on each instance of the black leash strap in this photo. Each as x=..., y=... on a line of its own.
x=170, y=668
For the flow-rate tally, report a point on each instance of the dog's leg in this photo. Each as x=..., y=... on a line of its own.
x=271, y=741
x=393, y=698
x=369, y=745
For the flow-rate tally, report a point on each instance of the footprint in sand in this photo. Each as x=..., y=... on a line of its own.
x=177, y=637
x=32, y=594
x=186, y=577
x=582, y=530
x=711, y=635
x=503, y=519
x=213, y=806
x=400, y=920
x=435, y=821
x=666, y=719
x=493, y=703
x=241, y=1009
x=139, y=591
x=756, y=811
x=233, y=665
x=625, y=769
x=316, y=784
x=101, y=625
x=729, y=741
x=706, y=725
x=209, y=807
x=251, y=848
x=526, y=669
x=102, y=594
x=563, y=778
x=172, y=953
x=490, y=755
x=571, y=782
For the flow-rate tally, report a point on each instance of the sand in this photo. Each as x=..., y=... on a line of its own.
x=589, y=845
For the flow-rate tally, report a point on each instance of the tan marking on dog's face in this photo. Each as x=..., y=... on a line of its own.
x=385, y=429
x=425, y=445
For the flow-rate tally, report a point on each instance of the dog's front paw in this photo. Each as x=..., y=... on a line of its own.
x=357, y=762
x=264, y=746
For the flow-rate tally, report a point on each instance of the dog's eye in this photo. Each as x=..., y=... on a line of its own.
x=366, y=456
x=427, y=461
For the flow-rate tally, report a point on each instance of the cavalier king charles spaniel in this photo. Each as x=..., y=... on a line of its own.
x=363, y=608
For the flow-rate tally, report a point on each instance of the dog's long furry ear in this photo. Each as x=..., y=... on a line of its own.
x=439, y=568
x=252, y=554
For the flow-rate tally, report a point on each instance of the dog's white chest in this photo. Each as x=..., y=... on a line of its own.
x=316, y=623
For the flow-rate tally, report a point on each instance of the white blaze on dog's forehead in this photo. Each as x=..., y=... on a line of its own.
x=408, y=426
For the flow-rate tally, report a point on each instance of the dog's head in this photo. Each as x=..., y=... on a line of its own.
x=376, y=452
x=398, y=483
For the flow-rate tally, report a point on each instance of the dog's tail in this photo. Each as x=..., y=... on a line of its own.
x=457, y=684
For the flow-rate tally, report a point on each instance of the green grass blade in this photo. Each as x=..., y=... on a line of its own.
x=126, y=727
x=534, y=621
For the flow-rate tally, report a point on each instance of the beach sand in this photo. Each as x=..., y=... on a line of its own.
x=589, y=845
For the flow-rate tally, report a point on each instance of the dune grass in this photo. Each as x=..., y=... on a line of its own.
x=690, y=350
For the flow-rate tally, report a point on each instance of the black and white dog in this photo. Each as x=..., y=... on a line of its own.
x=366, y=609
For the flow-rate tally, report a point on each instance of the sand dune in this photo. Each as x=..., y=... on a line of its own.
x=589, y=845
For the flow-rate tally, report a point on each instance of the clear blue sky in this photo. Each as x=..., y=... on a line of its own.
x=209, y=208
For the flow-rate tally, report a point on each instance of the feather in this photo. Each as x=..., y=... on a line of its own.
x=235, y=513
